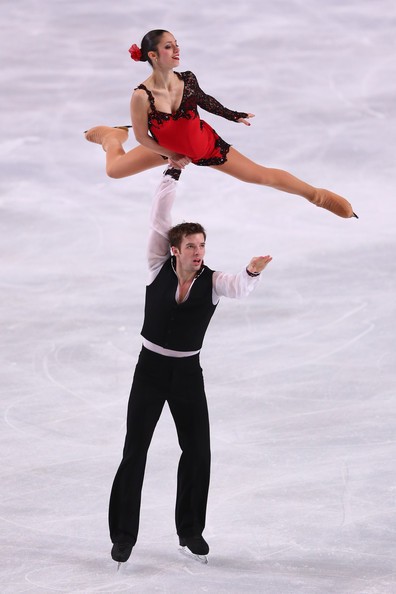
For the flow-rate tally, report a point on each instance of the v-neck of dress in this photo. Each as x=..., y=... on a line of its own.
x=152, y=100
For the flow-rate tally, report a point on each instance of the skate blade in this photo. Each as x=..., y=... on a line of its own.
x=200, y=558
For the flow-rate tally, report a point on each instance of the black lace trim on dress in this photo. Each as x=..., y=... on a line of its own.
x=193, y=95
x=223, y=146
x=161, y=116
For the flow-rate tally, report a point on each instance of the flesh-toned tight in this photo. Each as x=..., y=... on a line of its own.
x=123, y=164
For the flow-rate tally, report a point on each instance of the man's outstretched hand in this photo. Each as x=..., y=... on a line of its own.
x=258, y=263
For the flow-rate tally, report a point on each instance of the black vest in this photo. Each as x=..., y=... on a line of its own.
x=178, y=326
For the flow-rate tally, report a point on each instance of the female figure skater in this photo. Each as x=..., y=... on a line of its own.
x=167, y=125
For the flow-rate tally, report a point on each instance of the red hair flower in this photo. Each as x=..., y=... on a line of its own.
x=135, y=52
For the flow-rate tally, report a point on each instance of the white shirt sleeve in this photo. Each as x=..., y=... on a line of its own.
x=234, y=286
x=160, y=223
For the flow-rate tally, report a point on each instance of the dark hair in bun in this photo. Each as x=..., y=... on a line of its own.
x=150, y=43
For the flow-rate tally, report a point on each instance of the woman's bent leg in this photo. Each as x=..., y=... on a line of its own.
x=248, y=171
x=120, y=163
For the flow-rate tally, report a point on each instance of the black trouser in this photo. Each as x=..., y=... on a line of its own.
x=179, y=381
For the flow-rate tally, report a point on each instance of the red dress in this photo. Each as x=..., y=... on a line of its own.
x=183, y=131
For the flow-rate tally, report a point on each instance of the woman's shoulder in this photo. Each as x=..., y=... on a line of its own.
x=141, y=92
x=139, y=97
x=187, y=75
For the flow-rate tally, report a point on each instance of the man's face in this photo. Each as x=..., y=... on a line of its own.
x=189, y=257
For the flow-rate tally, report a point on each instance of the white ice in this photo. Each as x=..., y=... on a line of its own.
x=300, y=377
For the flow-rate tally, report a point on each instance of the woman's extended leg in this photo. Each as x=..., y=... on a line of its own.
x=248, y=171
x=118, y=162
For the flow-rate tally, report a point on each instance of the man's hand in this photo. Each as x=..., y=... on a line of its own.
x=258, y=263
x=179, y=161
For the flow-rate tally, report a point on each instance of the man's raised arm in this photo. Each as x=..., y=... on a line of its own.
x=161, y=221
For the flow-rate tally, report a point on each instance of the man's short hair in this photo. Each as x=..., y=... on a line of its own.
x=177, y=233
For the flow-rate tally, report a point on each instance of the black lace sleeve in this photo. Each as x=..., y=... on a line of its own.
x=211, y=104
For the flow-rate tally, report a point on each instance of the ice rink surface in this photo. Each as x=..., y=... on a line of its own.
x=300, y=376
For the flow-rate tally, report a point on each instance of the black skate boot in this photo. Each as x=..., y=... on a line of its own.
x=121, y=552
x=195, y=546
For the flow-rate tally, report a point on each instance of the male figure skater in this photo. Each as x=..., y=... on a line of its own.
x=181, y=297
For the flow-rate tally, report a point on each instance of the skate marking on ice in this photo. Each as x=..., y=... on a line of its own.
x=200, y=558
